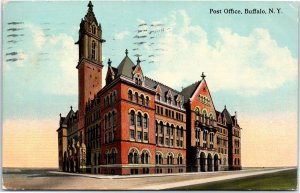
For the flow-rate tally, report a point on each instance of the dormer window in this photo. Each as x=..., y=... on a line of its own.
x=169, y=101
x=158, y=97
x=93, y=50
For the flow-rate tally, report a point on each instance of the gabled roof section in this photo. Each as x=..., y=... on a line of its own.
x=164, y=89
x=125, y=67
x=158, y=89
x=188, y=91
x=90, y=16
x=227, y=115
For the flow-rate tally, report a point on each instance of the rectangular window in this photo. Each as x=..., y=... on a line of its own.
x=177, y=143
x=173, y=114
x=139, y=133
x=132, y=134
x=167, y=141
x=161, y=140
x=145, y=136
x=181, y=143
x=156, y=140
x=172, y=142
x=161, y=110
x=166, y=112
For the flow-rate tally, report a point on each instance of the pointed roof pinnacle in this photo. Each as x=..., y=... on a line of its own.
x=126, y=52
x=109, y=62
x=90, y=5
x=71, y=107
x=203, y=76
x=225, y=107
x=138, y=60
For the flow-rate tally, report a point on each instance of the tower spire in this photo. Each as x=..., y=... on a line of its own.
x=90, y=6
x=202, y=75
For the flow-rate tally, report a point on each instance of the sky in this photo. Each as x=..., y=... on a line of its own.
x=250, y=63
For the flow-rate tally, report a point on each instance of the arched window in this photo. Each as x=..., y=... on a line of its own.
x=110, y=99
x=172, y=130
x=94, y=29
x=147, y=101
x=99, y=159
x=145, y=121
x=197, y=111
x=180, y=159
x=142, y=100
x=114, y=117
x=93, y=50
x=161, y=127
x=133, y=157
x=109, y=120
x=168, y=129
x=114, y=96
x=158, y=158
x=113, y=156
x=145, y=157
x=130, y=95
x=105, y=122
x=139, y=119
x=132, y=117
x=170, y=159
x=107, y=157
x=136, y=97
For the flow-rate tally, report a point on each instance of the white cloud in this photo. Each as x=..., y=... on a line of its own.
x=121, y=35
x=245, y=64
x=49, y=62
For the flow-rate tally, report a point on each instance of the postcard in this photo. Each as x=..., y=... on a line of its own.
x=150, y=95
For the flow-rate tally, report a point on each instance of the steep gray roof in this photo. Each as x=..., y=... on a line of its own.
x=188, y=91
x=125, y=67
x=164, y=89
x=227, y=116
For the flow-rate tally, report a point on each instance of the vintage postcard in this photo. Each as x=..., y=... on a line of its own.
x=150, y=95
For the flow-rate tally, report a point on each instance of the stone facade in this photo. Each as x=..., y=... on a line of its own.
x=136, y=125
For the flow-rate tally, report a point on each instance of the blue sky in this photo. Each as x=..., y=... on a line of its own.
x=27, y=83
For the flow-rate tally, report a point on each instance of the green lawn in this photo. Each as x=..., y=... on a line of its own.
x=285, y=180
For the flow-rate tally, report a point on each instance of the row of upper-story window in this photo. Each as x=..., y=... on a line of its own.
x=165, y=135
x=169, y=129
x=168, y=100
x=237, y=143
x=205, y=135
x=91, y=117
x=110, y=99
x=237, y=151
x=236, y=132
x=93, y=132
x=203, y=99
x=138, y=98
x=222, y=130
x=221, y=141
x=139, y=119
x=110, y=120
x=169, y=113
x=222, y=150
